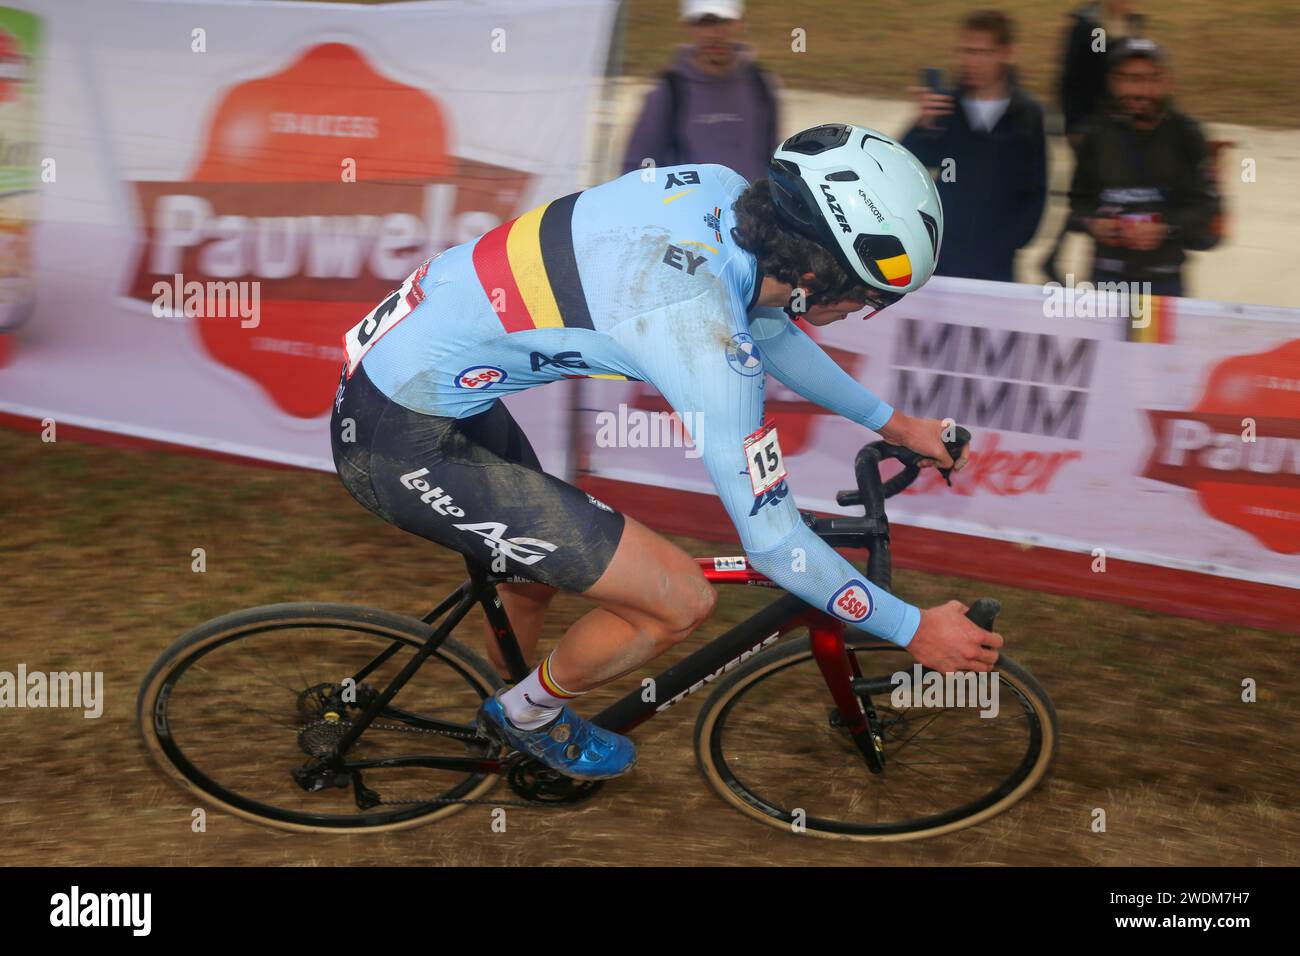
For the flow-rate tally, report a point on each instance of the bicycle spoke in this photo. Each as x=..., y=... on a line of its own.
x=781, y=742
x=235, y=717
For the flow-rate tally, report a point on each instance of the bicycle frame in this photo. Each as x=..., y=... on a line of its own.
x=671, y=686
x=734, y=647
x=847, y=688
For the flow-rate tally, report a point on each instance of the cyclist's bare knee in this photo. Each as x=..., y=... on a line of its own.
x=655, y=585
x=692, y=604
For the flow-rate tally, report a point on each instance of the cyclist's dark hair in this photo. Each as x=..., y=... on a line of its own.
x=784, y=254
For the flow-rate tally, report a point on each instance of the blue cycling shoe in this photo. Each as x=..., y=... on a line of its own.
x=569, y=744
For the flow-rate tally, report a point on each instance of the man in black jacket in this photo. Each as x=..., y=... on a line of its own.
x=988, y=146
x=1144, y=184
x=1095, y=30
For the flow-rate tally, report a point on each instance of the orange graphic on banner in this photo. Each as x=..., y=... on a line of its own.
x=1239, y=447
x=327, y=184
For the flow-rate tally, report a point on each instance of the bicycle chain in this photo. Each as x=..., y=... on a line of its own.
x=456, y=735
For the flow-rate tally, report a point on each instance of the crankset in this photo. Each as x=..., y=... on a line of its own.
x=538, y=783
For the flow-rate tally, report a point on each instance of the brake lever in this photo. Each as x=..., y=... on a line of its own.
x=954, y=449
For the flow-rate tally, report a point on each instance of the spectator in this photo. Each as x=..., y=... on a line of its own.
x=713, y=104
x=1083, y=74
x=1082, y=85
x=1144, y=185
x=994, y=198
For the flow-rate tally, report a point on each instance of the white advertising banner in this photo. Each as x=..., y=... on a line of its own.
x=1181, y=451
x=228, y=187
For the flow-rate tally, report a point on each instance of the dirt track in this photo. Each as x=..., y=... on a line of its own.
x=95, y=575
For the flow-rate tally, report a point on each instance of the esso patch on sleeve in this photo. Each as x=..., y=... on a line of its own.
x=851, y=603
x=763, y=458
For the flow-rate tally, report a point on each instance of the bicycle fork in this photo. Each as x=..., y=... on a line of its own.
x=840, y=670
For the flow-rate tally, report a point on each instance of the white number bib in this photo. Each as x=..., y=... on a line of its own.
x=763, y=457
x=358, y=340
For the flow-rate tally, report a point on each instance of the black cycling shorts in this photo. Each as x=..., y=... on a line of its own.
x=471, y=484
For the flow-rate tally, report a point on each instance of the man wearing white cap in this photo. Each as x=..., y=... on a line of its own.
x=713, y=104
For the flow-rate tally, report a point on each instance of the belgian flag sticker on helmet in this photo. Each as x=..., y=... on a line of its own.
x=885, y=258
x=897, y=270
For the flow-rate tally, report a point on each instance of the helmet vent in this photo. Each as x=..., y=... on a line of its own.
x=863, y=146
x=932, y=230
x=842, y=176
x=817, y=140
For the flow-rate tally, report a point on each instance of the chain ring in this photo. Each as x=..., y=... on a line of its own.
x=539, y=784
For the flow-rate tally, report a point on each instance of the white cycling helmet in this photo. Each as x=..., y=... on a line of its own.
x=866, y=198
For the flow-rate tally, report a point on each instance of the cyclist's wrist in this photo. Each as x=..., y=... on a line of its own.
x=880, y=417
x=907, y=626
x=894, y=427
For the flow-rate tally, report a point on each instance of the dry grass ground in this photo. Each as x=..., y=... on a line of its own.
x=95, y=557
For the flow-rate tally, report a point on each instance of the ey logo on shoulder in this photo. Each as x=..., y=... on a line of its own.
x=851, y=603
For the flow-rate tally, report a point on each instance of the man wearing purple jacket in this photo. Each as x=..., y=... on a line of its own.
x=714, y=104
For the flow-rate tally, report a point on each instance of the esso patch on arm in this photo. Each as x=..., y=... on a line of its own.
x=481, y=376
x=763, y=458
x=851, y=603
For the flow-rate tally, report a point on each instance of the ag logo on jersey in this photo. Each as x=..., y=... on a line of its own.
x=851, y=603
x=769, y=497
x=523, y=550
x=569, y=360
x=743, y=355
x=480, y=376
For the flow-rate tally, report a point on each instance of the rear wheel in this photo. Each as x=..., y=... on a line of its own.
x=770, y=742
x=239, y=704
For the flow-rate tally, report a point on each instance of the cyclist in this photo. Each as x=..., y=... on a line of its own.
x=685, y=277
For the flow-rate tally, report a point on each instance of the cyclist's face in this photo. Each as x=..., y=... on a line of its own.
x=824, y=313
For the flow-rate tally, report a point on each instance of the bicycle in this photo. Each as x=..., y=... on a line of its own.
x=835, y=757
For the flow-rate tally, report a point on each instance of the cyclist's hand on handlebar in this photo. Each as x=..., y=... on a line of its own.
x=948, y=641
x=925, y=437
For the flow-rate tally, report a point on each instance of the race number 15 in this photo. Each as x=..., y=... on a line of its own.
x=763, y=457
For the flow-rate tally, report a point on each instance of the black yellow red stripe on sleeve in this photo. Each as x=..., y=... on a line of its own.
x=529, y=271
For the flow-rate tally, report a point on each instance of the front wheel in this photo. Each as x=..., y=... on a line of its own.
x=770, y=742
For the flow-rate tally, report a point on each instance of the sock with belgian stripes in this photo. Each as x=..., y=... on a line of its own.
x=536, y=700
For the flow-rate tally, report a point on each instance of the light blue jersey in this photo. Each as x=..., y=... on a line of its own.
x=638, y=278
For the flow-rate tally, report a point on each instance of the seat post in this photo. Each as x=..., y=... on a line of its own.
x=484, y=588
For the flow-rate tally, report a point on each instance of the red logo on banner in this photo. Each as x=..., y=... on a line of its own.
x=326, y=184
x=997, y=471
x=1254, y=485
x=13, y=66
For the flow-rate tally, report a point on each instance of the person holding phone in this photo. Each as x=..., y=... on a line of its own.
x=984, y=140
x=1144, y=186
